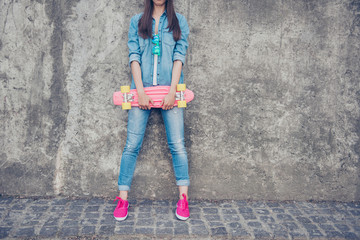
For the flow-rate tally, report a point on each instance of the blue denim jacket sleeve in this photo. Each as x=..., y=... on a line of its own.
x=181, y=45
x=133, y=42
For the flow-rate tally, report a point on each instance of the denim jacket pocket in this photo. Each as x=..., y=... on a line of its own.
x=168, y=38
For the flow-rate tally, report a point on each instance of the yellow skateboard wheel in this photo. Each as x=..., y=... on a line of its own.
x=181, y=87
x=181, y=104
x=126, y=106
x=125, y=89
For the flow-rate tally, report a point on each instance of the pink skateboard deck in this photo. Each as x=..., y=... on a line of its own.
x=156, y=93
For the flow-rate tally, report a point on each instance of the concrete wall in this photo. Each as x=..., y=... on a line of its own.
x=276, y=113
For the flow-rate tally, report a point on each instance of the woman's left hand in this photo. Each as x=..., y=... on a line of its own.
x=168, y=101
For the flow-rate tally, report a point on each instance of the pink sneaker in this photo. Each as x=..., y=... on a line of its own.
x=182, y=210
x=121, y=210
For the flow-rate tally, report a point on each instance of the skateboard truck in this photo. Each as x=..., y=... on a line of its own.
x=181, y=89
x=127, y=97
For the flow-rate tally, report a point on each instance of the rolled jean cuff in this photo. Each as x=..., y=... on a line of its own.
x=124, y=188
x=183, y=183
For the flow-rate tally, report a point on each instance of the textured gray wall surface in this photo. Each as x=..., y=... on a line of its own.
x=276, y=113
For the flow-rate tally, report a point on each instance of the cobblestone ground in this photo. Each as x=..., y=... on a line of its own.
x=92, y=218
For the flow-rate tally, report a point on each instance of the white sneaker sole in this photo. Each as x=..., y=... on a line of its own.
x=180, y=217
x=121, y=219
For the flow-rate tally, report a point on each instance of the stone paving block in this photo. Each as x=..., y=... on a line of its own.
x=239, y=232
x=310, y=211
x=284, y=217
x=73, y=216
x=216, y=224
x=60, y=201
x=333, y=234
x=88, y=230
x=107, y=230
x=295, y=212
x=231, y=217
x=96, y=201
x=262, y=211
x=161, y=203
x=79, y=202
x=92, y=215
x=278, y=210
x=318, y=219
x=128, y=230
x=145, y=209
x=144, y=230
x=267, y=219
x=145, y=202
x=288, y=205
x=199, y=230
x=314, y=233
x=355, y=212
x=342, y=227
x=194, y=210
x=241, y=203
x=108, y=219
x=18, y=207
x=144, y=215
x=229, y=211
x=219, y=231
x=76, y=208
x=127, y=222
x=70, y=223
x=298, y=235
x=94, y=208
x=248, y=216
x=161, y=210
x=52, y=221
x=273, y=204
x=110, y=209
x=257, y=204
x=4, y=232
x=245, y=210
x=254, y=224
x=210, y=210
x=350, y=235
x=164, y=231
x=195, y=216
x=212, y=217
x=327, y=227
x=40, y=202
x=6, y=200
x=166, y=224
x=69, y=231
x=39, y=208
x=47, y=231
x=57, y=209
x=145, y=222
x=303, y=220
x=260, y=233
x=309, y=226
x=290, y=225
x=225, y=205
x=280, y=235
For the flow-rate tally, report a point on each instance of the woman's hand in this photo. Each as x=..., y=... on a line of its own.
x=168, y=101
x=144, y=101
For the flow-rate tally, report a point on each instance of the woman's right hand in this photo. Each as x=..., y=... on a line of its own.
x=144, y=101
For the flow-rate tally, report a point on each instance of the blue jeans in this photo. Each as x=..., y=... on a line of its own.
x=174, y=125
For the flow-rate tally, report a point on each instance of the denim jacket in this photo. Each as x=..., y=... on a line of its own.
x=170, y=50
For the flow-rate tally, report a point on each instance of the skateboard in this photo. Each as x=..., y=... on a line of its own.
x=129, y=98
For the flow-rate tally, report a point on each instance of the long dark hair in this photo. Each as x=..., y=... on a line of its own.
x=145, y=23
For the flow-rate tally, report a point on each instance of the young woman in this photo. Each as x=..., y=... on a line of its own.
x=157, y=48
